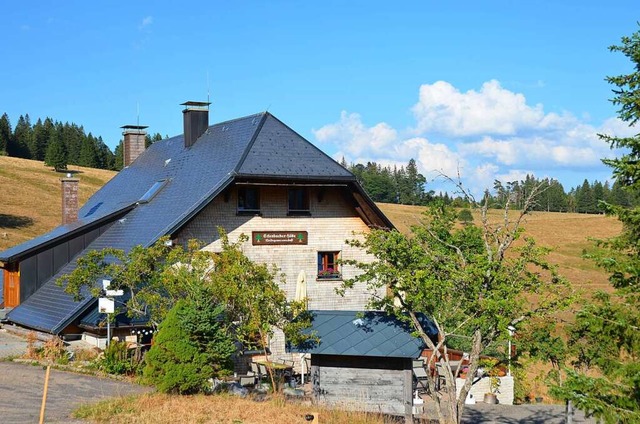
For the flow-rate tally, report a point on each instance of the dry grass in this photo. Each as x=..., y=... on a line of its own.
x=160, y=408
x=567, y=233
x=31, y=197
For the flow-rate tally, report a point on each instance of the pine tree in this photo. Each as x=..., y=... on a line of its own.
x=56, y=154
x=5, y=134
x=21, y=138
x=88, y=155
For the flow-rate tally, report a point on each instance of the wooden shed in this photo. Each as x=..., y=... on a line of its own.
x=363, y=361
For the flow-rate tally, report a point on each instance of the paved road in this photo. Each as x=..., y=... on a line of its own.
x=21, y=389
x=519, y=414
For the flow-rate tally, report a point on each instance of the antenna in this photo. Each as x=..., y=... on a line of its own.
x=138, y=113
x=208, y=90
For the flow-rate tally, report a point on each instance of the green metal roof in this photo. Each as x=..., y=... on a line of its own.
x=369, y=333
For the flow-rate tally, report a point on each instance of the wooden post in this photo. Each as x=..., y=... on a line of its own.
x=407, y=375
x=44, y=394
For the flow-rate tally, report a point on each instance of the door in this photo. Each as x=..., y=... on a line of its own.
x=11, y=287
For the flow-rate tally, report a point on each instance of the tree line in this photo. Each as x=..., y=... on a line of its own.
x=405, y=185
x=59, y=144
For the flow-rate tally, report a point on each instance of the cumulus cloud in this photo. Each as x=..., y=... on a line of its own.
x=353, y=136
x=482, y=135
x=444, y=109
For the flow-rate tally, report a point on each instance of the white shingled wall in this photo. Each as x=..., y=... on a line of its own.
x=332, y=221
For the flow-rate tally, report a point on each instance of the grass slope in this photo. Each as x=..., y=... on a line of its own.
x=567, y=233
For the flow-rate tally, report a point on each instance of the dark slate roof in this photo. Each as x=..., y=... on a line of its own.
x=254, y=146
x=371, y=333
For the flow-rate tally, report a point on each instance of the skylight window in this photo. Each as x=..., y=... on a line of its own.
x=153, y=191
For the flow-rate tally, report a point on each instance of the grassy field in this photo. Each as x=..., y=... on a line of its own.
x=159, y=408
x=567, y=234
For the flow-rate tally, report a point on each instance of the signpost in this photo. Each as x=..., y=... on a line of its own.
x=106, y=305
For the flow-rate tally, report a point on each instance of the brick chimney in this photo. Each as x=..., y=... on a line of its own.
x=134, y=142
x=196, y=121
x=69, y=199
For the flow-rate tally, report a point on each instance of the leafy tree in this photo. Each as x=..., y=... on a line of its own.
x=471, y=281
x=158, y=277
x=56, y=154
x=465, y=216
x=193, y=344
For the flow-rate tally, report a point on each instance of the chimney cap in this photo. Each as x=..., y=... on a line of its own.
x=191, y=105
x=134, y=127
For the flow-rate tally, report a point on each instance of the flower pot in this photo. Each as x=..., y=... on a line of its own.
x=490, y=398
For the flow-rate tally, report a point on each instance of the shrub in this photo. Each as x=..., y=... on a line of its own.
x=191, y=346
x=118, y=360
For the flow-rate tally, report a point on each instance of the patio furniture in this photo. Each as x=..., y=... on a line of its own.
x=420, y=376
x=247, y=380
x=441, y=369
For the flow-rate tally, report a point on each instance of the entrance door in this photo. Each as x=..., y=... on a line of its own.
x=11, y=287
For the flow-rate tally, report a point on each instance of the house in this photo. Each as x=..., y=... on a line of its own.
x=253, y=175
x=364, y=360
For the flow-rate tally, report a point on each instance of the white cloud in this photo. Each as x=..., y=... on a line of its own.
x=480, y=135
x=354, y=137
x=493, y=110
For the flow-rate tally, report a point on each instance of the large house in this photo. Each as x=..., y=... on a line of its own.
x=252, y=175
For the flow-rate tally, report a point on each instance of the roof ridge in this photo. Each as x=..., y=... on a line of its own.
x=238, y=119
x=251, y=142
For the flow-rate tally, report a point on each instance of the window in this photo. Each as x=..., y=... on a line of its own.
x=328, y=266
x=248, y=200
x=298, y=201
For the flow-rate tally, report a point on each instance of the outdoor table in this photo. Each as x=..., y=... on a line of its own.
x=280, y=371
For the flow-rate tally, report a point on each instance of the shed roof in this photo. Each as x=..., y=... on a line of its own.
x=370, y=333
x=256, y=146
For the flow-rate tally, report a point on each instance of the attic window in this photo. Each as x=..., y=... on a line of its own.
x=151, y=193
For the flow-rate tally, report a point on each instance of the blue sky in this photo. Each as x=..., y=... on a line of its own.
x=493, y=89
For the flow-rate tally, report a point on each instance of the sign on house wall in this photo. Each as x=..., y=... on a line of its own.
x=259, y=238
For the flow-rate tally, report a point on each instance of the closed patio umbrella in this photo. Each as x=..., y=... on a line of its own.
x=301, y=287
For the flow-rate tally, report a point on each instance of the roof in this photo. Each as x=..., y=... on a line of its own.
x=370, y=333
x=193, y=176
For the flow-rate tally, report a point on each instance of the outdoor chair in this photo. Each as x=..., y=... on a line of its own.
x=420, y=376
x=255, y=369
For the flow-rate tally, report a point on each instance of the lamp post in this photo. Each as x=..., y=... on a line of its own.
x=512, y=331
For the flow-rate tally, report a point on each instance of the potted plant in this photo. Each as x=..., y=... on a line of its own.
x=492, y=395
x=493, y=372
x=329, y=273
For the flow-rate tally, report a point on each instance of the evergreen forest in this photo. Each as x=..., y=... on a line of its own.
x=58, y=144
x=405, y=185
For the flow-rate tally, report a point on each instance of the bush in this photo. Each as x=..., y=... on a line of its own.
x=118, y=360
x=191, y=346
